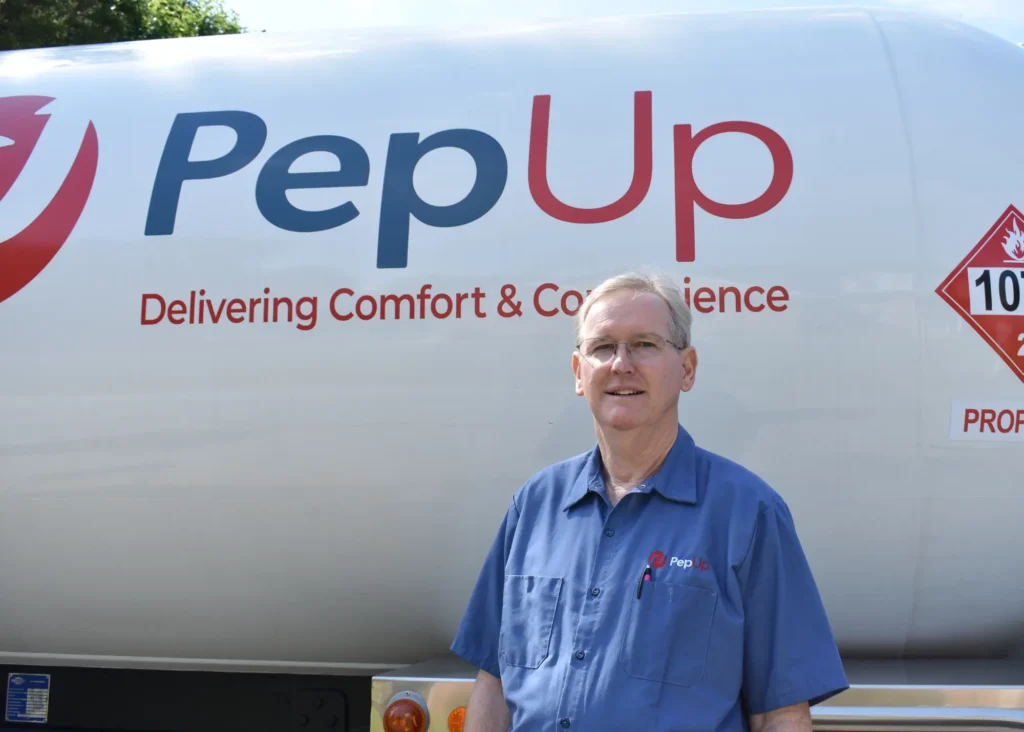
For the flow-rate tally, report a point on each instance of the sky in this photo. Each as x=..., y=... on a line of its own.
x=1002, y=17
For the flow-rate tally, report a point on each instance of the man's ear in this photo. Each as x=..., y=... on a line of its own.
x=576, y=366
x=689, y=367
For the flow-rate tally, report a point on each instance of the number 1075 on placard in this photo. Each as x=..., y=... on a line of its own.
x=996, y=291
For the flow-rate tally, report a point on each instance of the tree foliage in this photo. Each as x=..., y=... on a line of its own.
x=39, y=23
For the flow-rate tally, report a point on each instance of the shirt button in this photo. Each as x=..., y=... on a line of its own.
x=565, y=722
x=609, y=532
x=595, y=592
x=580, y=655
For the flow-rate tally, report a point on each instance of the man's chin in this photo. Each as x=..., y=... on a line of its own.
x=622, y=419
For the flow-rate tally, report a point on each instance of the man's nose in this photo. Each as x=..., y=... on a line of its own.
x=622, y=361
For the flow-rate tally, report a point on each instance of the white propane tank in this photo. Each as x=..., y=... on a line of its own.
x=299, y=320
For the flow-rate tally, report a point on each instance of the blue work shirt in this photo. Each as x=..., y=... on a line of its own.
x=729, y=623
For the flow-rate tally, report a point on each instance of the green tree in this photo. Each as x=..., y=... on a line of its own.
x=40, y=23
x=178, y=18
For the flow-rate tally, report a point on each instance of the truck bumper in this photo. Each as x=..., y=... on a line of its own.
x=953, y=695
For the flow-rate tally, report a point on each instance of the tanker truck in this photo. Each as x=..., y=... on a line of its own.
x=288, y=318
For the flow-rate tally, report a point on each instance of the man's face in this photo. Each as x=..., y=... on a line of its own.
x=623, y=316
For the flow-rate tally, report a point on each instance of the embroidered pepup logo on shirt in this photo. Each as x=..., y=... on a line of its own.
x=658, y=560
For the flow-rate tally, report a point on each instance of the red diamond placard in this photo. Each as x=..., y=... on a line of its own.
x=987, y=288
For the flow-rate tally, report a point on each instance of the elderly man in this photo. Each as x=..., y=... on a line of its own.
x=646, y=585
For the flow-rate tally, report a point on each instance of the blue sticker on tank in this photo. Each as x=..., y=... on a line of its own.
x=28, y=698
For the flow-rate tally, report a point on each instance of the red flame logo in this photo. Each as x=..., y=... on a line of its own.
x=27, y=253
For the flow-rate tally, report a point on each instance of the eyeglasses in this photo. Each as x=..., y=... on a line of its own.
x=642, y=349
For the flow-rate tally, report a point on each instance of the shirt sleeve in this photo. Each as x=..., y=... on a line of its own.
x=790, y=653
x=476, y=639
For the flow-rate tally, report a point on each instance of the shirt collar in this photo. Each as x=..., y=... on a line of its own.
x=675, y=480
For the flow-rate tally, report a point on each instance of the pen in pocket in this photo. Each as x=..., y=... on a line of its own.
x=643, y=578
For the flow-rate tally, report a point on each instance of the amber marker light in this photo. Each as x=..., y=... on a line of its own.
x=406, y=713
x=457, y=719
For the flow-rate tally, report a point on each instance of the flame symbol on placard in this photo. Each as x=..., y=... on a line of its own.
x=1014, y=244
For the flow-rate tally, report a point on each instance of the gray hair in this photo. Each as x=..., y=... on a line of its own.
x=640, y=283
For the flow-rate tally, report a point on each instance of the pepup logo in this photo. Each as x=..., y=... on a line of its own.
x=399, y=202
x=27, y=253
x=658, y=560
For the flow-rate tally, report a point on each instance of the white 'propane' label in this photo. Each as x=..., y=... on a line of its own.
x=995, y=420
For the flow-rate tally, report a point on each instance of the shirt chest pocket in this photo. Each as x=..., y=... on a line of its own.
x=529, y=604
x=667, y=632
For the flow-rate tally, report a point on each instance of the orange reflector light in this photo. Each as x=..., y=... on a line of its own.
x=457, y=719
x=404, y=715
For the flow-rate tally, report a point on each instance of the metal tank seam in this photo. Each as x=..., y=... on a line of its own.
x=915, y=199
